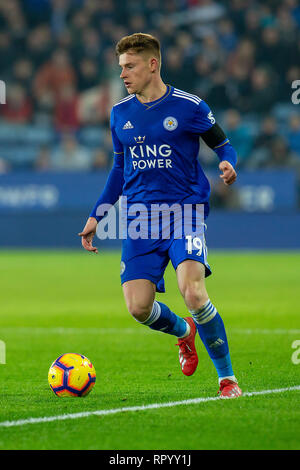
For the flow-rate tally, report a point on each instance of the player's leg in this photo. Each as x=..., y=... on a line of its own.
x=140, y=300
x=139, y=296
x=141, y=277
x=191, y=282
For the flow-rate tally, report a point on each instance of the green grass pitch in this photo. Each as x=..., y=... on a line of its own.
x=56, y=302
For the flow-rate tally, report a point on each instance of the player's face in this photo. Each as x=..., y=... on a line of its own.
x=136, y=72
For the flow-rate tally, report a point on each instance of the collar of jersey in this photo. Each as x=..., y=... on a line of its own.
x=156, y=102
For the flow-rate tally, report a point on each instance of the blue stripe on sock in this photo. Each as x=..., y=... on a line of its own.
x=204, y=313
x=155, y=314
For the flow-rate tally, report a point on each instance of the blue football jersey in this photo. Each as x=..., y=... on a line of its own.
x=158, y=145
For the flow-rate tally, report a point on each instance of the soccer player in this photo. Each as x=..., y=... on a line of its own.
x=155, y=133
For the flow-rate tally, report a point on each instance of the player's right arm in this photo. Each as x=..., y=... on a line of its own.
x=88, y=234
x=110, y=194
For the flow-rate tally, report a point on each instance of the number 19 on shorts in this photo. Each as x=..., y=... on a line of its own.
x=194, y=243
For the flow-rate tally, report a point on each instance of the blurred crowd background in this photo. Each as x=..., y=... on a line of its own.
x=62, y=77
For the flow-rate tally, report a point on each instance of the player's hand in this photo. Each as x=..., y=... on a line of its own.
x=87, y=235
x=229, y=173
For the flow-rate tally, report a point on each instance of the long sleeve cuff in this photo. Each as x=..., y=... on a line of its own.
x=225, y=151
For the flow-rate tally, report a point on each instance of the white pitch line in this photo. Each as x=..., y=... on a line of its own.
x=103, y=331
x=86, y=414
x=265, y=331
x=71, y=331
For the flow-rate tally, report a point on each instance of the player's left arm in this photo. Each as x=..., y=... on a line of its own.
x=216, y=139
x=205, y=125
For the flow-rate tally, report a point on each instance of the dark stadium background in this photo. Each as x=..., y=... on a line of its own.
x=62, y=77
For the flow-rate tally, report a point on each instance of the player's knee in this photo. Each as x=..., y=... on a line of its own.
x=139, y=312
x=194, y=296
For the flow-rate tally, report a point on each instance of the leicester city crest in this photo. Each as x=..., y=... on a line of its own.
x=122, y=267
x=170, y=123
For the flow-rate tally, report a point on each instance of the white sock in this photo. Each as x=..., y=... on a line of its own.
x=229, y=377
x=188, y=330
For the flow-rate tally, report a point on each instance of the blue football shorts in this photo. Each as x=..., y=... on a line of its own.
x=148, y=258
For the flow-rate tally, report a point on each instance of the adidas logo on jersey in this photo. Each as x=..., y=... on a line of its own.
x=128, y=125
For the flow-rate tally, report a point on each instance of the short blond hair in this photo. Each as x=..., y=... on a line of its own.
x=139, y=43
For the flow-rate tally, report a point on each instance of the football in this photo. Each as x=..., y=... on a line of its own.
x=72, y=375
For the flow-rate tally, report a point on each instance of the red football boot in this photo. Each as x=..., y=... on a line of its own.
x=229, y=389
x=188, y=357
